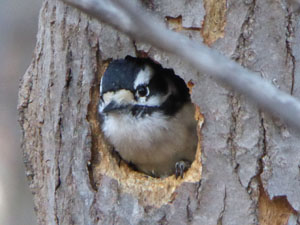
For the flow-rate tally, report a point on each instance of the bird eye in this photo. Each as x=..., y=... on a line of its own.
x=142, y=91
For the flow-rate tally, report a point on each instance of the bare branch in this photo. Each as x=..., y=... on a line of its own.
x=135, y=22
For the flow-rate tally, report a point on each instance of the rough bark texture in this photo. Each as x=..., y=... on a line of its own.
x=250, y=161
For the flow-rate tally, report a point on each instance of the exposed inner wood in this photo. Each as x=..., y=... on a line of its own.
x=274, y=212
x=215, y=20
x=175, y=23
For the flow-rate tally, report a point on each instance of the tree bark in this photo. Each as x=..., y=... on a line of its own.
x=247, y=164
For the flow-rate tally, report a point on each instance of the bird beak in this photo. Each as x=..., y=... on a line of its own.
x=112, y=106
x=116, y=101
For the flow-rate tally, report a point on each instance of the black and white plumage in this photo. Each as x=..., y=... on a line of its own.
x=147, y=116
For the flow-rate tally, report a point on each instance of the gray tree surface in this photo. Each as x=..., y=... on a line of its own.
x=247, y=164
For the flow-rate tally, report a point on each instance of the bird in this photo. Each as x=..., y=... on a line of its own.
x=148, y=117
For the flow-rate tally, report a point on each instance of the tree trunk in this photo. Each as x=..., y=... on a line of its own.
x=250, y=161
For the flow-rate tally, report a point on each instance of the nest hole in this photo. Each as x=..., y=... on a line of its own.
x=149, y=190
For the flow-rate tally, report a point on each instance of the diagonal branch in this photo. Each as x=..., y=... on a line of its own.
x=135, y=22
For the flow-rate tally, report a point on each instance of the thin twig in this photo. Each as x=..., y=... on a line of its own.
x=135, y=22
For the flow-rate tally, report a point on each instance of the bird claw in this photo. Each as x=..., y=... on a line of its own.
x=181, y=167
x=117, y=156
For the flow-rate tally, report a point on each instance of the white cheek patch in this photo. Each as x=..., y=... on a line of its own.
x=143, y=77
x=154, y=100
x=142, y=99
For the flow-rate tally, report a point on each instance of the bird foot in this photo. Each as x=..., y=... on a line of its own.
x=117, y=156
x=181, y=167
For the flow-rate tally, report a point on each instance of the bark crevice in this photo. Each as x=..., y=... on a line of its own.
x=220, y=217
x=290, y=58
